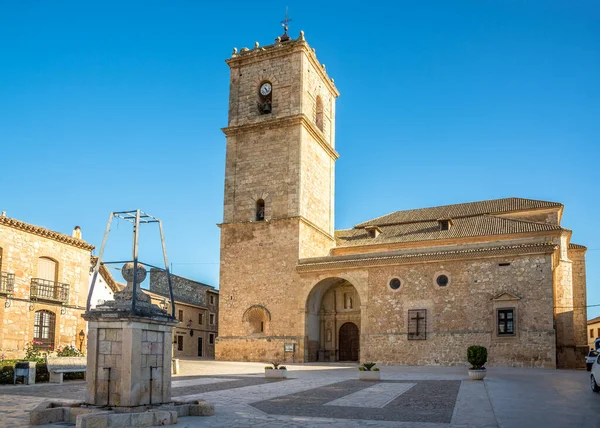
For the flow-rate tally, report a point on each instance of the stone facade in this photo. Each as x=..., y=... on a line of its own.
x=44, y=273
x=197, y=309
x=414, y=287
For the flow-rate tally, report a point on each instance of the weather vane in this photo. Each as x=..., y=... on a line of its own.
x=285, y=23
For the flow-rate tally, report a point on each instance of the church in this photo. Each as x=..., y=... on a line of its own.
x=413, y=287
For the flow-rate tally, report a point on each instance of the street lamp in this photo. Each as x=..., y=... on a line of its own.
x=81, y=339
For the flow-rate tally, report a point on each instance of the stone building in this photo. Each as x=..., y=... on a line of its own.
x=594, y=331
x=105, y=287
x=411, y=287
x=197, y=309
x=43, y=288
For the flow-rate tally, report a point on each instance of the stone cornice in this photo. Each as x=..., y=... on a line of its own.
x=274, y=220
x=46, y=233
x=370, y=260
x=281, y=122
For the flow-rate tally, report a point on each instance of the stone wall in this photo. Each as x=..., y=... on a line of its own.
x=579, y=304
x=185, y=290
x=462, y=313
x=253, y=258
x=19, y=254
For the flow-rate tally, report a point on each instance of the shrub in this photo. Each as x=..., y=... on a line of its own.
x=361, y=369
x=41, y=372
x=368, y=366
x=34, y=353
x=282, y=368
x=7, y=373
x=69, y=351
x=268, y=368
x=376, y=369
x=477, y=357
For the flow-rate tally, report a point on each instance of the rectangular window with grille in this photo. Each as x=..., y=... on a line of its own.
x=180, y=315
x=212, y=319
x=201, y=319
x=180, y=343
x=417, y=324
x=211, y=339
x=591, y=333
x=506, y=322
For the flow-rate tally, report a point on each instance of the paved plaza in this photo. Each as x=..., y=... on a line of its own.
x=319, y=395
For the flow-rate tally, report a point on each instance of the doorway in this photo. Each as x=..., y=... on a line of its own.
x=349, y=340
x=199, y=346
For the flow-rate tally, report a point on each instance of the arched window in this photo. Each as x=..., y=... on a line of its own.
x=260, y=210
x=47, y=269
x=319, y=113
x=265, y=97
x=43, y=329
x=256, y=319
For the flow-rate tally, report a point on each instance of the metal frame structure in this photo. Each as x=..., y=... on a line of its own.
x=137, y=217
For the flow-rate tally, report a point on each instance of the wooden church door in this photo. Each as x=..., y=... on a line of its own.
x=349, y=342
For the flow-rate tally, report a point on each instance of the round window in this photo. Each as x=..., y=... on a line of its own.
x=395, y=284
x=442, y=280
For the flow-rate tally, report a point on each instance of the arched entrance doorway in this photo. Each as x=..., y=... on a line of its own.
x=333, y=320
x=348, y=343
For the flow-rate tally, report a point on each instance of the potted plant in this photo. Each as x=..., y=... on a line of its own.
x=368, y=371
x=275, y=371
x=477, y=357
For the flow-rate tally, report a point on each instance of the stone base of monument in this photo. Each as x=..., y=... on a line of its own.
x=86, y=416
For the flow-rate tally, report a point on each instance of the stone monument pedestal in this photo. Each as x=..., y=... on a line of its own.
x=129, y=352
x=129, y=360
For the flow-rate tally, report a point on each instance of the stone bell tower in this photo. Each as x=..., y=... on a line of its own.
x=279, y=188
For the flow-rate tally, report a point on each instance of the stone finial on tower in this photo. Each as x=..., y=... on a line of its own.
x=301, y=37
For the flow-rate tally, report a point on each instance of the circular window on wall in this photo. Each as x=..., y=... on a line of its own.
x=442, y=280
x=395, y=283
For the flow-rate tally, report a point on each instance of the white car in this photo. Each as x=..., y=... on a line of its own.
x=590, y=359
x=595, y=376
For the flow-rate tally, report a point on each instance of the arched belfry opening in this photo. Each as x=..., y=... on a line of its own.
x=319, y=113
x=333, y=321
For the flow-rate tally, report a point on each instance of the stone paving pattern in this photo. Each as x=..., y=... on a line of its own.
x=507, y=398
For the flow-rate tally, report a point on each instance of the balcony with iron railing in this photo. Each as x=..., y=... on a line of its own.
x=43, y=289
x=7, y=283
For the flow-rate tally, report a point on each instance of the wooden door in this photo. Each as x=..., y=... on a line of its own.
x=349, y=342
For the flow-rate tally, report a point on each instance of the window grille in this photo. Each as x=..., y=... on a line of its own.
x=43, y=329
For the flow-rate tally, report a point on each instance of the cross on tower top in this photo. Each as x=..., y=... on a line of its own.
x=285, y=23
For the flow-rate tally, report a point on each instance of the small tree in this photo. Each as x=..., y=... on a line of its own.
x=477, y=357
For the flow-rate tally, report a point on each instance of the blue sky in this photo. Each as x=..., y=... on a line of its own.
x=111, y=106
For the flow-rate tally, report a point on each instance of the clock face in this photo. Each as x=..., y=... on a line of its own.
x=265, y=89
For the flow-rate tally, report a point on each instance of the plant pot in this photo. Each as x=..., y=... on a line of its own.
x=275, y=374
x=369, y=375
x=477, y=374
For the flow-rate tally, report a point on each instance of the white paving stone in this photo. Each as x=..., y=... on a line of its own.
x=200, y=381
x=376, y=396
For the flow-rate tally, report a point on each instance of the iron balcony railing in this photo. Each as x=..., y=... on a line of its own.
x=50, y=290
x=7, y=282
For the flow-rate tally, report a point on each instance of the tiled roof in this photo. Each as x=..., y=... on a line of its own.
x=481, y=225
x=46, y=233
x=374, y=259
x=577, y=247
x=494, y=206
x=593, y=320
